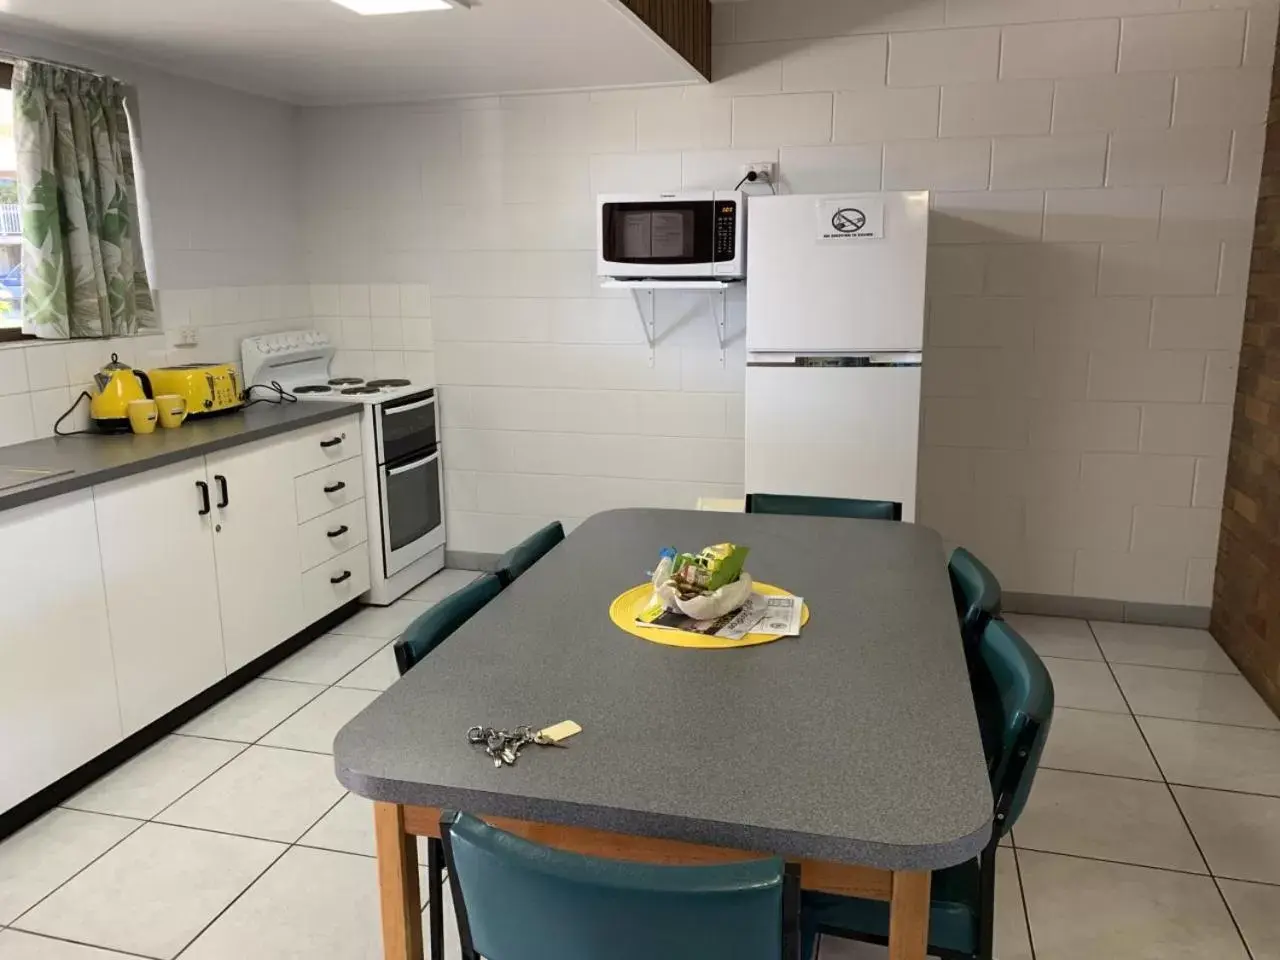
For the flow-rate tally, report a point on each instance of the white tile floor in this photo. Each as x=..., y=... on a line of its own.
x=1153, y=832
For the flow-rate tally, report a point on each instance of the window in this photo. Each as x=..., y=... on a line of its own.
x=10, y=228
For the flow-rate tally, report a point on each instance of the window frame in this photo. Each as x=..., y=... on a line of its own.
x=10, y=334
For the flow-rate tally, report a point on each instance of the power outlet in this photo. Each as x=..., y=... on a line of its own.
x=764, y=169
x=188, y=336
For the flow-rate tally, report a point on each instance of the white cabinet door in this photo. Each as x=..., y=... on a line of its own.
x=157, y=555
x=58, y=705
x=256, y=544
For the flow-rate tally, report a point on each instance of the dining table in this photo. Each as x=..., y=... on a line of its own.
x=852, y=750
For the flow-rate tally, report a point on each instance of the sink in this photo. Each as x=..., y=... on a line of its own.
x=11, y=477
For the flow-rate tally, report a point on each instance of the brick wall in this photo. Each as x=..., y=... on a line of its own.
x=1246, y=595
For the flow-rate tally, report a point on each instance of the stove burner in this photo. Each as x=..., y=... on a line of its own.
x=314, y=388
x=392, y=382
x=345, y=381
x=360, y=391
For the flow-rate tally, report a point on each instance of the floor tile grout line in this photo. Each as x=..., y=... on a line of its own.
x=1178, y=806
x=140, y=825
x=1149, y=716
x=1145, y=666
x=83, y=943
x=252, y=882
x=1172, y=783
x=1022, y=895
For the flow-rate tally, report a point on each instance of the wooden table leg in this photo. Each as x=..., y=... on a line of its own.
x=398, y=884
x=909, y=915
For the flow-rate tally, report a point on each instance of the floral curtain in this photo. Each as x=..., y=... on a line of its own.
x=82, y=265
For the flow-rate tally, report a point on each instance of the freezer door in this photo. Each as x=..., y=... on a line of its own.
x=810, y=290
x=834, y=432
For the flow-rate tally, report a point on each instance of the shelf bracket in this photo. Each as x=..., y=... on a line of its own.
x=722, y=318
x=648, y=319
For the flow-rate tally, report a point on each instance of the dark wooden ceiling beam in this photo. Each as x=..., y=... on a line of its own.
x=684, y=25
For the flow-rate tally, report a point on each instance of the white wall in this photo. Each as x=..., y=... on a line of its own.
x=218, y=171
x=1095, y=166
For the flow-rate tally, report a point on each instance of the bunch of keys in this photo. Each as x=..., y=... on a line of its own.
x=503, y=747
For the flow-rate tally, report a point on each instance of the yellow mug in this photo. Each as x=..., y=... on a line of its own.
x=142, y=416
x=173, y=410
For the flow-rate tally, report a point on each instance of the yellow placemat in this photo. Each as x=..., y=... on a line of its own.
x=623, y=612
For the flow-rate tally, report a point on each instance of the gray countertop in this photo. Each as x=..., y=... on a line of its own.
x=99, y=458
x=856, y=742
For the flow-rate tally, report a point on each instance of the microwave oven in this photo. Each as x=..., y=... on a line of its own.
x=689, y=235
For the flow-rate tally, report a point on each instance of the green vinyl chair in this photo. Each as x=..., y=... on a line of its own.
x=517, y=900
x=976, y=592
x=823, y=507
x=437, y=624
x=517, y=561
x=962, y=913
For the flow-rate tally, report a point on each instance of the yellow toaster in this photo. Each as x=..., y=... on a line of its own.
x=207, y=388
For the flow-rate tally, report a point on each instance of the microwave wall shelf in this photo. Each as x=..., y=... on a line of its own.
x=642, y=292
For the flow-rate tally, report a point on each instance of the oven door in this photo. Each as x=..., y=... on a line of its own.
x=412, y=509
x=406, y=426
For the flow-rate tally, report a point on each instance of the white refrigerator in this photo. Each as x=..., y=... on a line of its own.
x=835, y=334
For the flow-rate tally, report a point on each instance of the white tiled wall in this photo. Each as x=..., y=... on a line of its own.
x=1095, y=167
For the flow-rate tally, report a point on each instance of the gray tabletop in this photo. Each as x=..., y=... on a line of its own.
x=856, y=742
x=90, y=459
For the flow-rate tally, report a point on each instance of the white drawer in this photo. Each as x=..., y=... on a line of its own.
x=328, y=489
x=327, y=587
x=326, y=444
x=327, y=536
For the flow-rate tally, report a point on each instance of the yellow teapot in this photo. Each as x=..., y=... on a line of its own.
x=118, y=385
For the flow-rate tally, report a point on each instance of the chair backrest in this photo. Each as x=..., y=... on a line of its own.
x=976, y=592
x=434, y=627
x=823, y=506
x=524, y=555
x=517, y=900
x=1023, y=697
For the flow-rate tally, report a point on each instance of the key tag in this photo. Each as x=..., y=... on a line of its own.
x=560, y=731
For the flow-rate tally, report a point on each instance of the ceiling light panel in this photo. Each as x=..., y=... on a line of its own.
x=371, y=8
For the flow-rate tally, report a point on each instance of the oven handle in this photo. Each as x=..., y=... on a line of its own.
x=413, y=466
x=392, y=411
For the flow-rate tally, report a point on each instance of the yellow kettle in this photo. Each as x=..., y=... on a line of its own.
x=118, y=385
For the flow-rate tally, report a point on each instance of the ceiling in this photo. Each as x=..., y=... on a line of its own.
x=316, y=52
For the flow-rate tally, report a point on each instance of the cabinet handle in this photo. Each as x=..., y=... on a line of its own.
x=335, y=487
x=204, y=497
x=339, y=532
x=222, y=485
x=331, y=443
x=346, y=575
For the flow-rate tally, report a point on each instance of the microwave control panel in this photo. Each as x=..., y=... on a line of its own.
x=726, y=230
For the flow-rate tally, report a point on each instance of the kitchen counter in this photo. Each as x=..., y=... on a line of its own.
x=99, y=458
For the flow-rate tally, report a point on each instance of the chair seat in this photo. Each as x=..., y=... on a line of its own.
x=953, y=912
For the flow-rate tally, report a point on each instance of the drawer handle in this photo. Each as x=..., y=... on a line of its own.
x=346, y=575
x=339, y=532
x=330, y=443
x=335, y=487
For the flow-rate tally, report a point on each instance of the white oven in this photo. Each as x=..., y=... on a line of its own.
x=689, y=235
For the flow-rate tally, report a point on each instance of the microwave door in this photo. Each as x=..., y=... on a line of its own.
x=412, y=510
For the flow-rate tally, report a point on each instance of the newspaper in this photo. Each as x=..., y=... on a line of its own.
x=781, y=617
x=775, y=616
x=732, y=626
